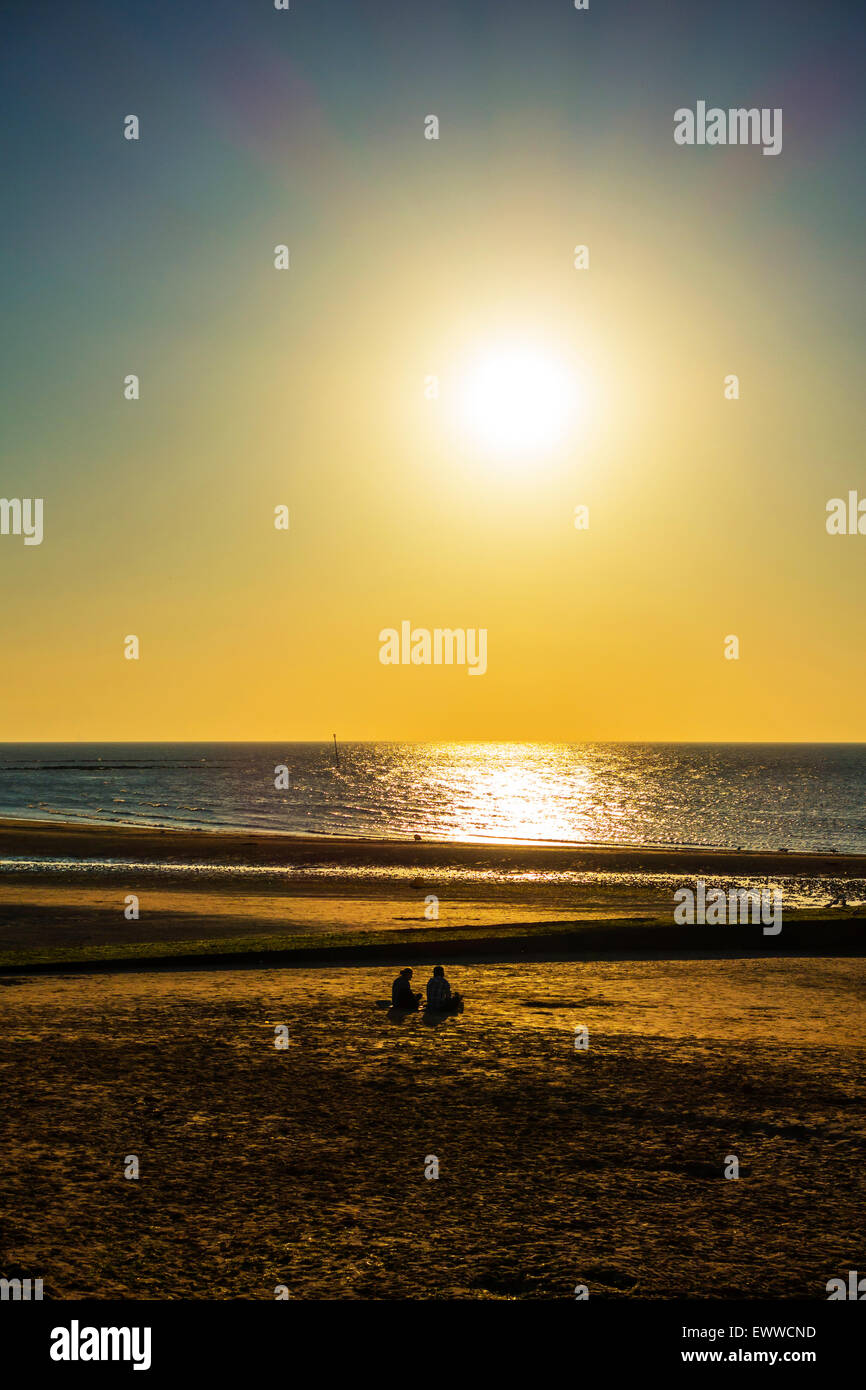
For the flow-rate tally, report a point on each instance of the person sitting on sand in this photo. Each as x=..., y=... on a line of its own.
x=402, y=997
x=439, y=993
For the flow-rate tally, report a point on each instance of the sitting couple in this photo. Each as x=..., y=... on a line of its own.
x=440, y=996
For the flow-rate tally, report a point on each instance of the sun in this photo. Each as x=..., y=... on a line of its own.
x=517, y=397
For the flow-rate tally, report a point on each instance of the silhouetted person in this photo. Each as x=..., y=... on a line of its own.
x=402, y=996
x=439, y=993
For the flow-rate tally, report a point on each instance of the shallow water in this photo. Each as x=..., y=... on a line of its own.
x=581, y=887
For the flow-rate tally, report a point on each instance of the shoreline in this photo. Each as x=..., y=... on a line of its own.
x=228, y=899
x=84, y=840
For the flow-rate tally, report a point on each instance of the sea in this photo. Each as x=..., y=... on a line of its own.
x=747, y=796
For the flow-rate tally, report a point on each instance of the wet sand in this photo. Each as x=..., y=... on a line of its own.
x=64, y=889
x=305, y=1167
x=59, y=838
x=36, y=913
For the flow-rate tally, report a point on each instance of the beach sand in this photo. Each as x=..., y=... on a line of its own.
x=305, y=1167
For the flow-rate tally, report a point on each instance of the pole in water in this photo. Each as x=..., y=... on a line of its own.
x=336, y=754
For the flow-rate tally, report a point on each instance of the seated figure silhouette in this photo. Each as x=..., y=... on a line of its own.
x=440, y=996
x=402, y=995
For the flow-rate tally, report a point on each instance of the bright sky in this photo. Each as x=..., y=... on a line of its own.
x=413, y=258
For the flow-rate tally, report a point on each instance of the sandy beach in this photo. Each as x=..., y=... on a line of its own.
x=305, y=1167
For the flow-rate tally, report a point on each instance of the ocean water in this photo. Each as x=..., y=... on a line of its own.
x=752, y=796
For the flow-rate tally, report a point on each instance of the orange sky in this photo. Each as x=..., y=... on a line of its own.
x=411, y=258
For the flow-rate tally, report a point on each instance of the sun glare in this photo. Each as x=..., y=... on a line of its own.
x=517, y=398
